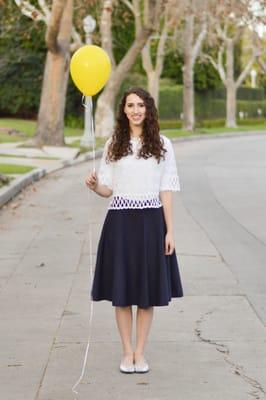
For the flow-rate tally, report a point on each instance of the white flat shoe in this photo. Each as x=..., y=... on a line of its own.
x=127, y=368
x=142, y=367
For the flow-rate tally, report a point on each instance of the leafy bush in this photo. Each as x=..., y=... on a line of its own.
x=170, y=124
x=210, y=123
x=208, y=104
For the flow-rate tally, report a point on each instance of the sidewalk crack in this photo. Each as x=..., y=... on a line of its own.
x=256, y=388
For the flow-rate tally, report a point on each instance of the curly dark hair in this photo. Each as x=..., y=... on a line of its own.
x=152, y=145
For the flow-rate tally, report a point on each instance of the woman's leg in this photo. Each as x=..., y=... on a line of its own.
x=143, y=324
x=124, y=319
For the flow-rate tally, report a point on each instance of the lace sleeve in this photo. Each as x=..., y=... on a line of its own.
x=169, y=177
x=105, y=172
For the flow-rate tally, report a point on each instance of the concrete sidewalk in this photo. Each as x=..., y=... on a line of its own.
x=44, y=161
x=209, y=344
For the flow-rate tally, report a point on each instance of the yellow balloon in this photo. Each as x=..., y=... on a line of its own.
x=90, y=68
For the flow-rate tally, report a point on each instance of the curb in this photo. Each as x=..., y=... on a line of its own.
x=216, y=136
x=8, y=193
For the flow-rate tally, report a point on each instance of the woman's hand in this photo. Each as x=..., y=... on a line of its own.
x=92, y=180
x=169, y=243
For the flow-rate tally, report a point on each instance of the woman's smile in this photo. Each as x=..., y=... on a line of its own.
x=135, y=109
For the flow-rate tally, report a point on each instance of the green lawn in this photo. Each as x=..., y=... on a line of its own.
x=37, y=158
x=28, y=128
x=7, y=169
x=100, y=141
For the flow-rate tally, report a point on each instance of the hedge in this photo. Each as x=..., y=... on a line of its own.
x=207, y=106
x=210, y=123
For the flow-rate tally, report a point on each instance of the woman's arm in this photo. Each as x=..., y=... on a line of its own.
x=103, y=190
x=166, y=199
x=92, y=183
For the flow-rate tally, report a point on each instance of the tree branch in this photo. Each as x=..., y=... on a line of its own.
x=106, y=29
x=131, y=54
x=199, y=41
x=161, y=48
x=45, y=8
x=262, y=64
x=221, y=33
x=129, y=6
x=137, y=15
x=146, y=57
x=76, y=40
x=54, y=25
x=30, y=11
x=245, y=71
x=217, y=65
x=146, y=51
x=221, y=69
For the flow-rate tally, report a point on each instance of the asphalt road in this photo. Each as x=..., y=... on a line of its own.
x=209, y=344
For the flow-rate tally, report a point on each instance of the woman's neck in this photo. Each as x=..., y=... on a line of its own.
x=135, y=131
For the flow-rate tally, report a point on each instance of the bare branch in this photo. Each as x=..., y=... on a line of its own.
x=54, y=25
x=161, y=48
x=146, y=51
x=221, y=32
x=76, y=40
x=262, y=64
x=129, y=5
x=137, y=15
x=211, y=59
x=245, y=71
x=106, y=29
x=221, y=69
x=45, y=8
x=199, y=41
x=131, y=54
x=146, y=57
x=217, y=65
x=30, y=11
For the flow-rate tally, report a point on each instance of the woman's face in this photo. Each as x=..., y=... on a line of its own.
x=135, y=110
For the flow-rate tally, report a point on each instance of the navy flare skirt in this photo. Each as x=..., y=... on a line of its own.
x=131, y=267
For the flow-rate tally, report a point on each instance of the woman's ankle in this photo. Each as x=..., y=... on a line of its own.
x=138, y=355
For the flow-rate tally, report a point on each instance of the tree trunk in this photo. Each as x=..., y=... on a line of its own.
x=230, y=86
x=50, y=126
x=188, y=77
x=188, y=97
x=231, y=106
x=104, y=115
x=153, y=86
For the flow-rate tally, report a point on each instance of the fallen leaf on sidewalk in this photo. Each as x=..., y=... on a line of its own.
x=14, y=205
x=42, y=264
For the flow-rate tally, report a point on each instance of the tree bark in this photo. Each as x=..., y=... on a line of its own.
x=104, y=116
x=231, y=106
x=153, y=85
x=153, y=73
x=50, y=126
x=230, y=86
x=188, y=76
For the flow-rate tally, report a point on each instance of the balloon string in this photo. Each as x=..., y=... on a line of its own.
x=88, y=106
x=87, y=103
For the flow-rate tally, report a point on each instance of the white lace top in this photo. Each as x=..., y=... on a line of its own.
x=137, y=182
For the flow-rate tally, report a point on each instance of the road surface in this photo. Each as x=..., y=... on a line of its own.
x=210, y=344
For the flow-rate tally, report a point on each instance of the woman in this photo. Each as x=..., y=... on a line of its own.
x=136, y=262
